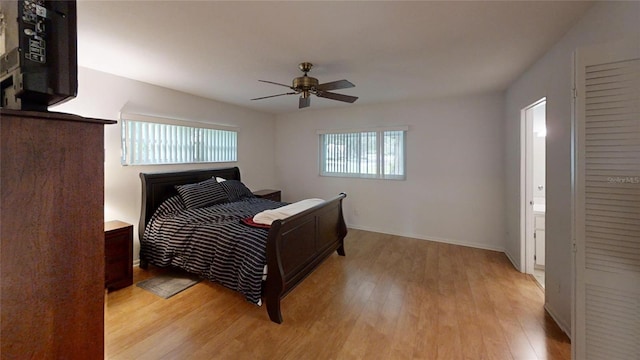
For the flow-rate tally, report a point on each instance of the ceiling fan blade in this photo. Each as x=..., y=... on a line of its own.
x=335, y=85
x=275, y=83
x=304, y=102
x=270, y=96
x=334, y=96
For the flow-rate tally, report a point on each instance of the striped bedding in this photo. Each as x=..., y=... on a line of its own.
x=211, y=242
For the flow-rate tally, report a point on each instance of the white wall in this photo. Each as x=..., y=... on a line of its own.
x=455, y=176
x=551, y=77
x=103, y=96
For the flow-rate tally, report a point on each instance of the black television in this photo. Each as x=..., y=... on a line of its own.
x=38, y=53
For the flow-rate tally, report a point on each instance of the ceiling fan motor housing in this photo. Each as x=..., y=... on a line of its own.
x=304, y=83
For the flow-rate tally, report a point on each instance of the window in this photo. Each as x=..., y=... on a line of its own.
x=151, y=141
x=375, y=153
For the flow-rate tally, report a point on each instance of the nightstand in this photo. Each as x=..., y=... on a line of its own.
x=118, y=254
x=268, y=194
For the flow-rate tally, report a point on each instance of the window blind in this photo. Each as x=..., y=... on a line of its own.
x=376, y=153
x=151, y=141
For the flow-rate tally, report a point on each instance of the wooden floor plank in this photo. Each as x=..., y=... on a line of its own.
x=390, y=297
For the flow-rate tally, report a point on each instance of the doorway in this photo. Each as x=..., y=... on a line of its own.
x=534, y=189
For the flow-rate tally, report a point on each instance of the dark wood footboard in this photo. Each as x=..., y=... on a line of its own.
x=297, y=245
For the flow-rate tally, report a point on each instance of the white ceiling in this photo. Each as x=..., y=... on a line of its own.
x=390, y=50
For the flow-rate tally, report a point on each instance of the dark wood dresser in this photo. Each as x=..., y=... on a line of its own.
x=51, y=236
x=269, y=194
x=118, y=254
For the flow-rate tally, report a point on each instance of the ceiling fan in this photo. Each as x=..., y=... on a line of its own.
x=307, y=85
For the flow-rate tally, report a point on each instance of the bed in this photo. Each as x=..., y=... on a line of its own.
x=294, y=247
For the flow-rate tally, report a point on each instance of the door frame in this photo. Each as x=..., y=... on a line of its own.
x=527, y=242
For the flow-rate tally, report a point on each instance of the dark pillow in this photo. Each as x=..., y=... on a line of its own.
x=205, y=193
x=236, y=190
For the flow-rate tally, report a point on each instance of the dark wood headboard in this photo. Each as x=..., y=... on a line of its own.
x=158, y=187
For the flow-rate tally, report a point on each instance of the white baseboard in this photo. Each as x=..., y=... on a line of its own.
x=430, y=238
x=514, y=263
x=563, y=326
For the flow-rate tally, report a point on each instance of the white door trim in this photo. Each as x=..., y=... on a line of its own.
x=527, y=243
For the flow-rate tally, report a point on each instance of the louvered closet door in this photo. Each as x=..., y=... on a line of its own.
x=607, y=303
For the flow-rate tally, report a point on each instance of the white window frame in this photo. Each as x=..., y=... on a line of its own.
x=380, y=163
x=190, y=142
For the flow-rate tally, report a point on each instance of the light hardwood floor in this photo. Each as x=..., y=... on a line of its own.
x=389, y=298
